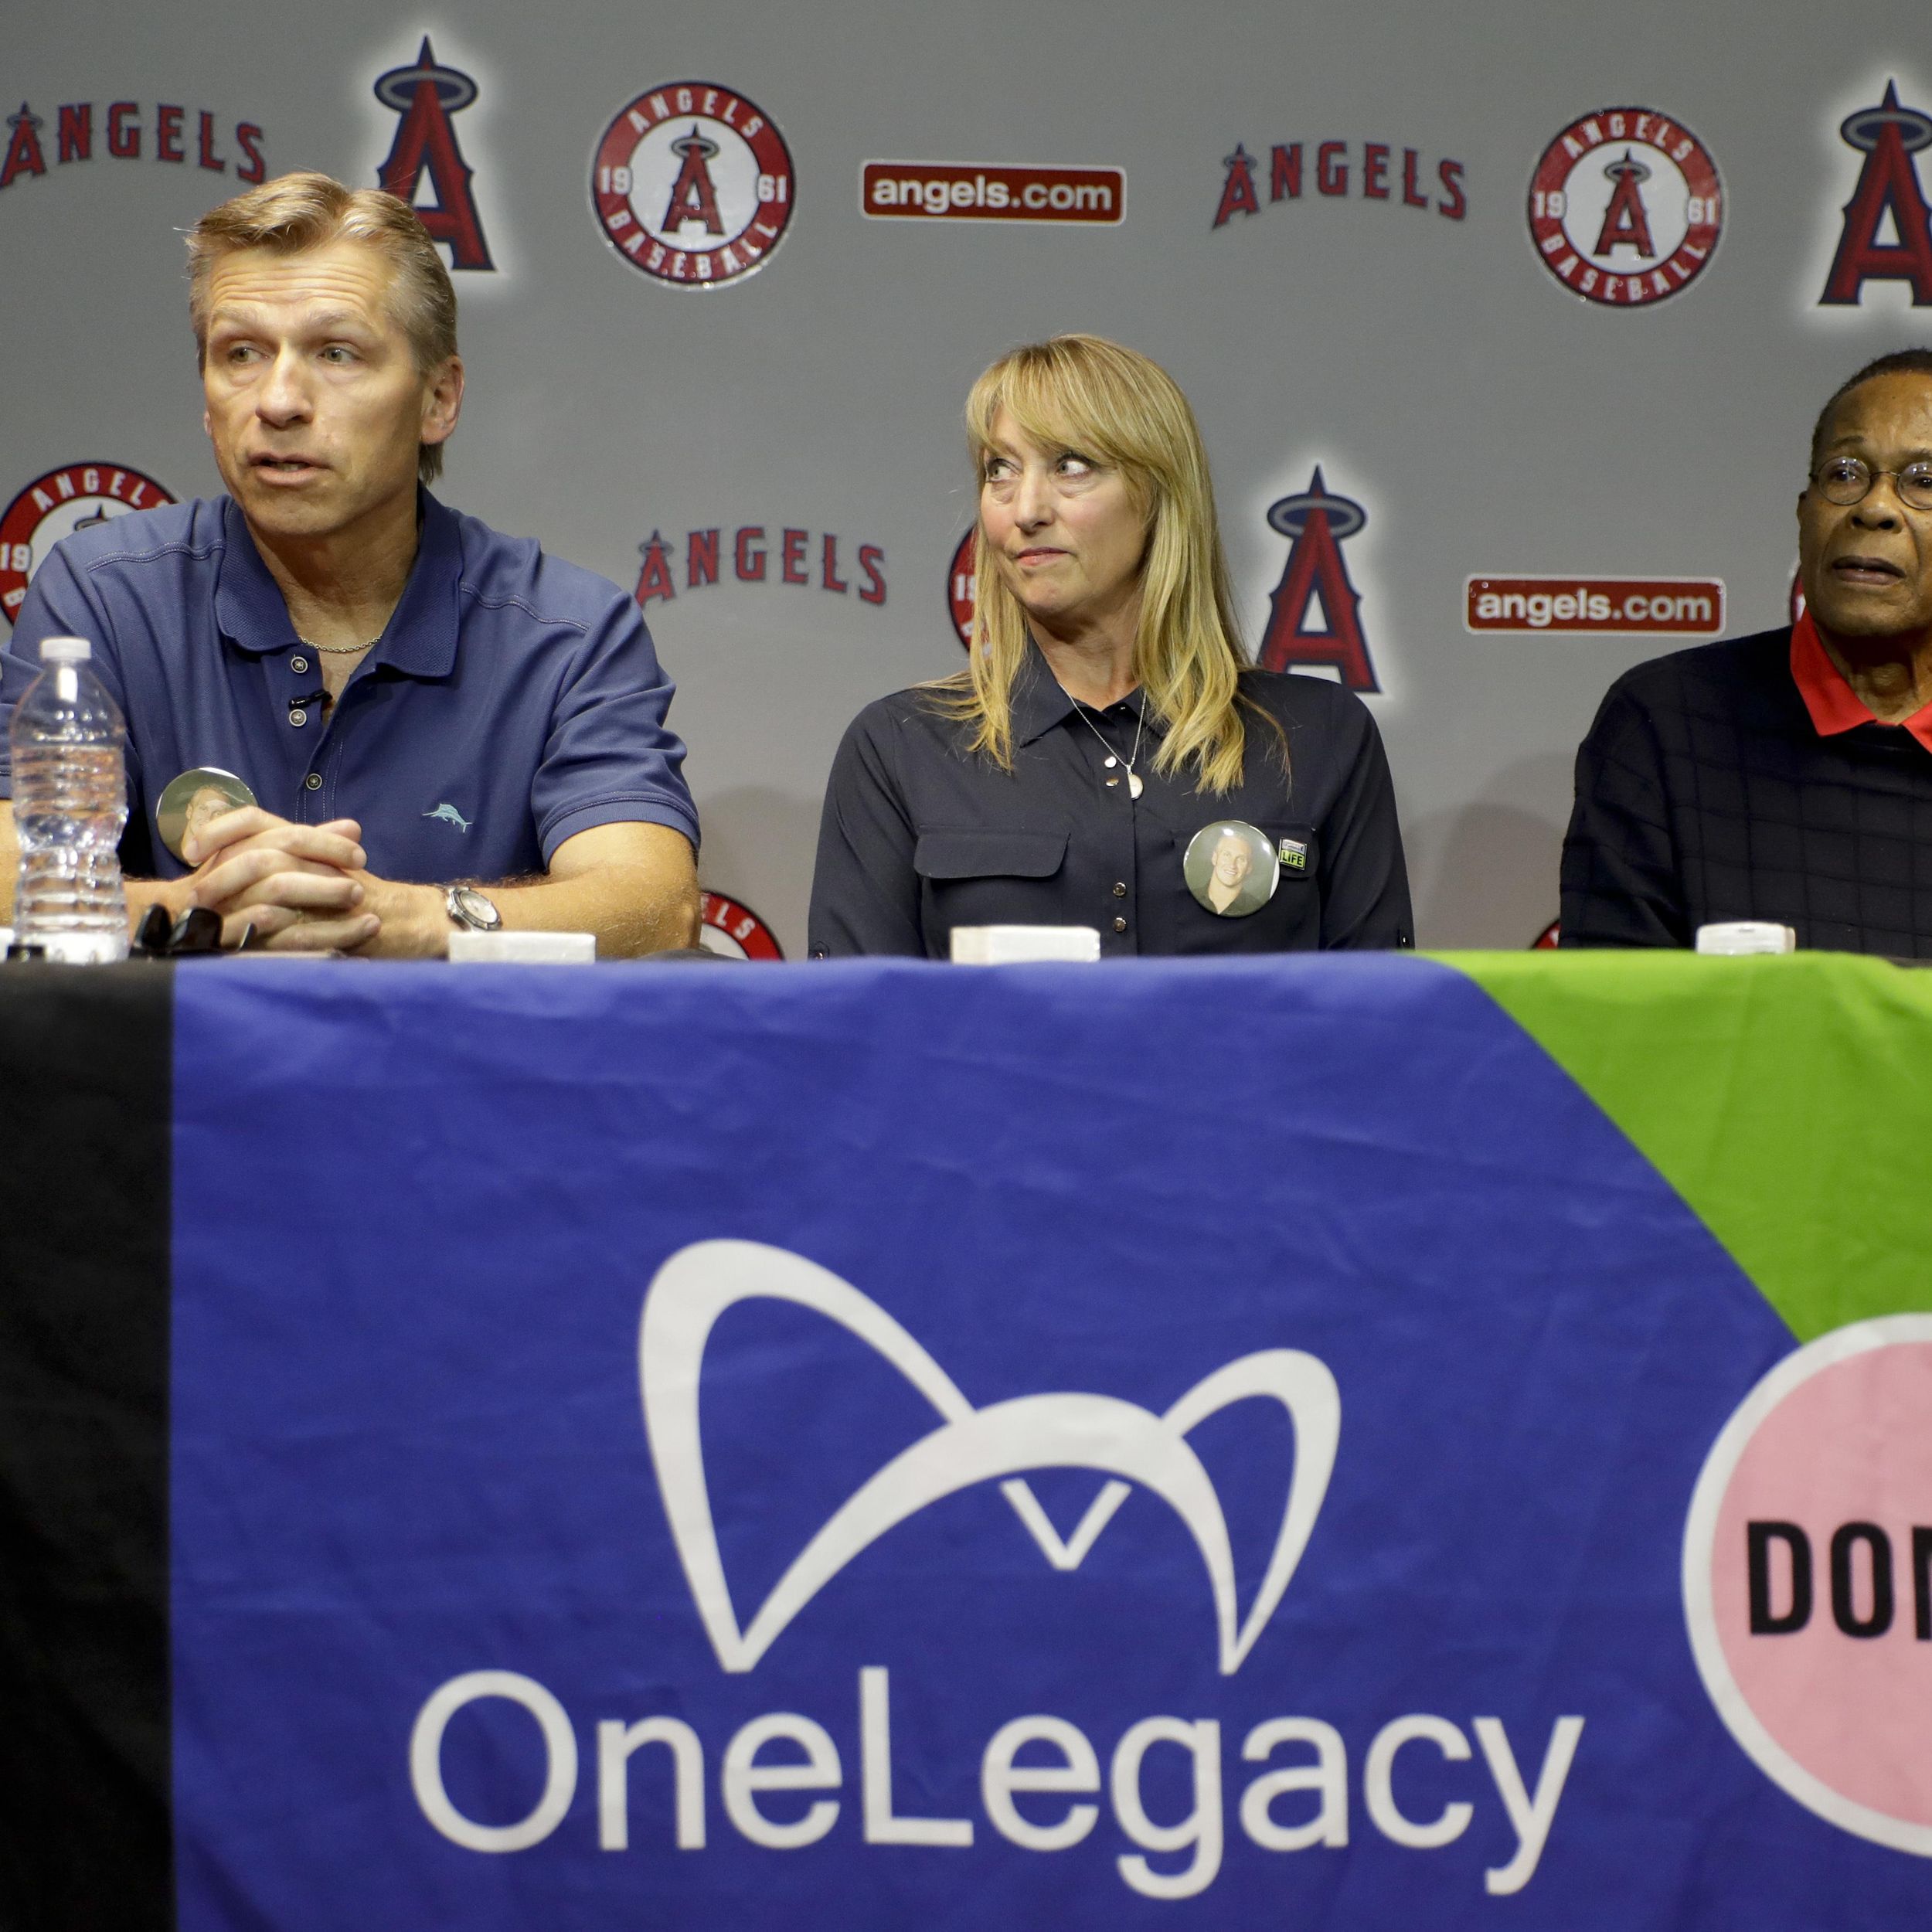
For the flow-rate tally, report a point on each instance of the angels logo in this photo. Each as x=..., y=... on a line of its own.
x=426, y=95
x=751, y=554
x=71, y=138
x=1626, y=207
x=734, y=931
x=693, y=185
x=1315, y=612
x=1331, y=174
x=1889, y=194
x=55, y=505
x=960, y=591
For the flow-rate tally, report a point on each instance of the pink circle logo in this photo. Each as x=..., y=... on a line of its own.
x=1808, y=1578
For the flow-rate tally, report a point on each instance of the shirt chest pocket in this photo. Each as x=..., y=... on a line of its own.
x=985, y=877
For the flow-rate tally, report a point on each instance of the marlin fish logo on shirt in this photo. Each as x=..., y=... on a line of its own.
x=450, y=816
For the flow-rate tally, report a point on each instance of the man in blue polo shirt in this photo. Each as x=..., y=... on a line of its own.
x=444, y=727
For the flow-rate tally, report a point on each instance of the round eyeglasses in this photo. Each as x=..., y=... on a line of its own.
x=1846, y=480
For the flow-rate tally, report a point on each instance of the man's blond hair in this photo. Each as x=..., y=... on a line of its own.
x=297, y=212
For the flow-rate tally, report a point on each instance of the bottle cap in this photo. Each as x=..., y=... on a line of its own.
x=65, y=650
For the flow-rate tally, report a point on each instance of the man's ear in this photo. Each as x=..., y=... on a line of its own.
x=442, y=402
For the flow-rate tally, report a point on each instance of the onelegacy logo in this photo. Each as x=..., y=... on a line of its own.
x=1122, y=1440
x=1000, y=1442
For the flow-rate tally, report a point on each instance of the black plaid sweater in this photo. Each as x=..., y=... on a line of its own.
x=1704, y=792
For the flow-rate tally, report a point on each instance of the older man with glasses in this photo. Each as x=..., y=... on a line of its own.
x=1787, y=776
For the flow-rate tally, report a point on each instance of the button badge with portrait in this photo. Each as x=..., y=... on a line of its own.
x=1231, y=868
x=188, y=804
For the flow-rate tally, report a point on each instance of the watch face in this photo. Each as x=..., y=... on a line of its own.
x=474, y=910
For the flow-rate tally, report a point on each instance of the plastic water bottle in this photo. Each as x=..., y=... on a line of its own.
x=70, y=803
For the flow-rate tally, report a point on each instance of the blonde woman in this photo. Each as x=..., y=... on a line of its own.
x=1108, y=735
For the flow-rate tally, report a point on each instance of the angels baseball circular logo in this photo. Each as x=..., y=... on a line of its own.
x=692, y=184
x=959, y=589
x=55, y=505
x=1626, y=207
x=735, y=930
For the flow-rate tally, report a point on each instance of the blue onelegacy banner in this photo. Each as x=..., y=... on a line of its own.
x=903, y=1447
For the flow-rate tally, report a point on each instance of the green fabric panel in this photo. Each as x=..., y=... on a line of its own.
x=1787, y=1099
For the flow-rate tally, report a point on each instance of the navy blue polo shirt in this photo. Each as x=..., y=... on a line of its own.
x=512, y=701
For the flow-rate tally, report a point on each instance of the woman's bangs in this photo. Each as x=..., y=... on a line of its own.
x=1049, y=409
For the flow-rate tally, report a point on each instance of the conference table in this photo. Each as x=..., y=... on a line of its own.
x=1373, y=1442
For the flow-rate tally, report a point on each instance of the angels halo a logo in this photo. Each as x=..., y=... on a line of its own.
x=424, y=97
x=1625, y=207
x=55, y=505
x=1315, y=621
x=1888, y=200
x=692, y=184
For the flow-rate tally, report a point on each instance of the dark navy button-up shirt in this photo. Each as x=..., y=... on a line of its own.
x=919, y=834
x=512, y=701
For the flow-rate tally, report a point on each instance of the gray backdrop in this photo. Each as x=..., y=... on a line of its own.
x=1487, y=419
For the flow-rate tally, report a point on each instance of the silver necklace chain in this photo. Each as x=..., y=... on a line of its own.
x=337, y=650
x=1133, y=777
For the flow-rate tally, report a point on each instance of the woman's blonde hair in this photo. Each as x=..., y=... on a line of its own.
x=1085, y=393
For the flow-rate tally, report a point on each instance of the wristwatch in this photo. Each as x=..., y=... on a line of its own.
x=469, y=908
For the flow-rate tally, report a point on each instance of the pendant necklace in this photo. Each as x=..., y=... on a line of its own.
x=1134, y=786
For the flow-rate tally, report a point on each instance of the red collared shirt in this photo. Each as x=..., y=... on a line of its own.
x=1834, y=706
